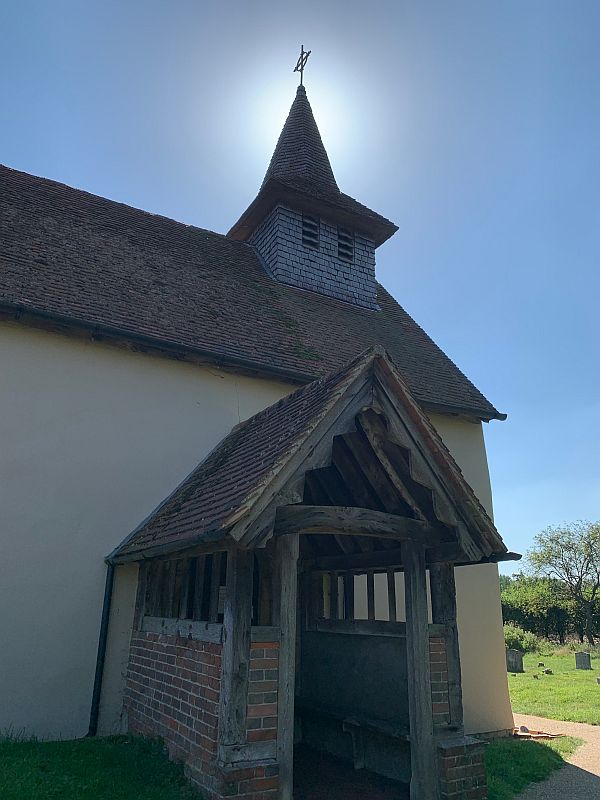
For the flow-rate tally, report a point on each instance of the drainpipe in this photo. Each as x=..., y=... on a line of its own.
x=101, y=654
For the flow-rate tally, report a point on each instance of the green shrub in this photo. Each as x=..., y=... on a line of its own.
x=517, y=638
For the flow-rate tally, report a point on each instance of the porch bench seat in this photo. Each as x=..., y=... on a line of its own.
x=391, y=729
x=351, y=724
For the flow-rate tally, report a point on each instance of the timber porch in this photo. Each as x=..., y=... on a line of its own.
x=285, y=606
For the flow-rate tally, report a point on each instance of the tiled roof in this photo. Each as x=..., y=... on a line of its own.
x=225, y=486
x=92, y=262
x=300, y=164
x=300, y=154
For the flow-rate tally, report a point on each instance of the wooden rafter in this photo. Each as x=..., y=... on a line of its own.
x=378, y=477
x=362, y=492
x=373, y=429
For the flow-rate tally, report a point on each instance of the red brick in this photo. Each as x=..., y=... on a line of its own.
x=259, y=784
x=262, y=735
x=263, y=710
x=264, y=663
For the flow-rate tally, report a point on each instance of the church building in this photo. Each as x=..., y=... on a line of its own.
x=245, y=499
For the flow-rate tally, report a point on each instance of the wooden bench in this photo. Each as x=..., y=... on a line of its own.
x=357, y=725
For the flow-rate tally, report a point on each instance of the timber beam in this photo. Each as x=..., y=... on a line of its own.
x=381, y=559
x=349, y=520
x=386, y=559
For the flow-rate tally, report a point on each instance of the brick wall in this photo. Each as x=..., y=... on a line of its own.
x=244, y=783
x=172, y=691
x=261, y=722
x=462, y=769
x=439, y=681
x=278, y=240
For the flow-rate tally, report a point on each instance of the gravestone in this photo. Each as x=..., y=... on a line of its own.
x=514, y=661
x=583, y=661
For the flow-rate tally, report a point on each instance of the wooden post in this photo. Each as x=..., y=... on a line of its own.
x=370, y=594
x=288, y=547
x=424, y=783
x=236, y=650
x=215, y=582
x=443, y=610
x=391, y=582
x=334, y=599
x=348, y=595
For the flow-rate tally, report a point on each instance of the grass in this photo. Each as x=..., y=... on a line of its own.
x=512, y=764
x=569, y=694
x=114, y=768
x=132, y=768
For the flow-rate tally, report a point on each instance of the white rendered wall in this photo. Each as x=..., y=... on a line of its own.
x=92, y=438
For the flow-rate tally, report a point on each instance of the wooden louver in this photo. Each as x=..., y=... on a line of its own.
x=310, y=231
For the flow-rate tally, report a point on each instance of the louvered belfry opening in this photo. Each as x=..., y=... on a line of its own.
x=345, y=245
x=310, y=231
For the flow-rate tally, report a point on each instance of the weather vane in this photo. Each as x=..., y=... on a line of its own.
x=302, y=62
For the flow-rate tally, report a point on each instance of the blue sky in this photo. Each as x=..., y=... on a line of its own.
x=474, y=125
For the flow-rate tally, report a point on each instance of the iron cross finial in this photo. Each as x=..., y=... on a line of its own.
x=302, y=62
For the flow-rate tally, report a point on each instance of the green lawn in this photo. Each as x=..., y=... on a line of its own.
x=115, y=768
x=131, y=768
x=514, y=763
x=570, y=694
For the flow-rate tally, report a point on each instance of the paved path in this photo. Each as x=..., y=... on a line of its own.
x=580, y=779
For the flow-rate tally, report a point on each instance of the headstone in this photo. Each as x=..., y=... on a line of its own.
x=583, y=661
x=514, y=661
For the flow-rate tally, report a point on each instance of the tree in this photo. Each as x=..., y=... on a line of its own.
x=539, y=605
x=571, y=553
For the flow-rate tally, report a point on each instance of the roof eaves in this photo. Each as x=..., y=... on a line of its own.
x=22, y=312
x=375, y=225
x=100, y=331
x=464, y=411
